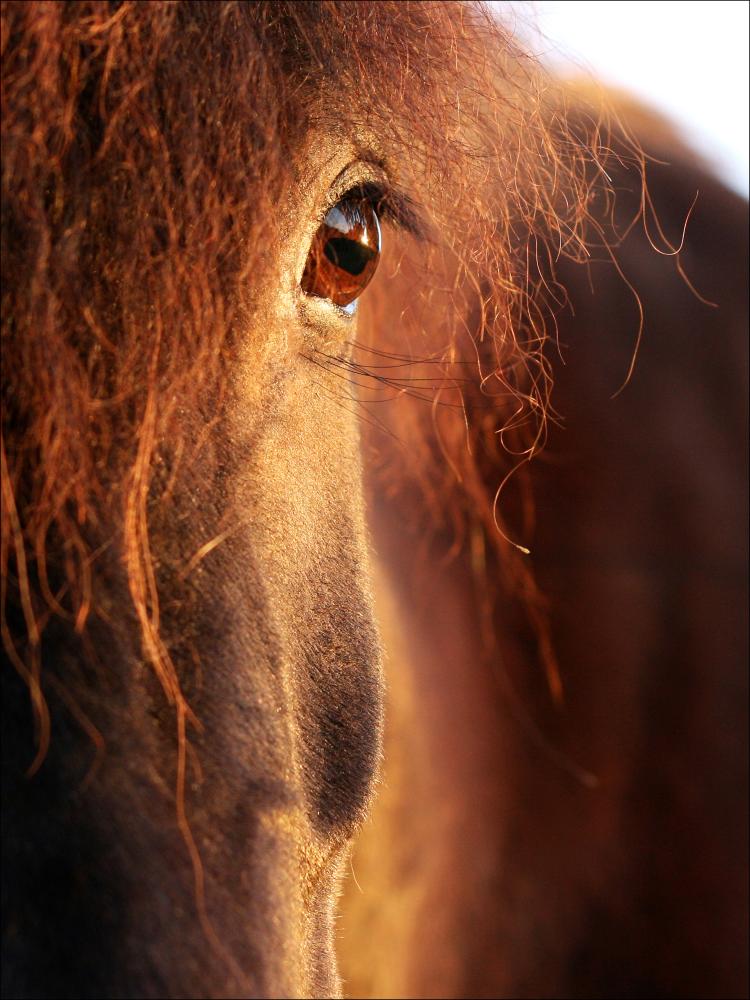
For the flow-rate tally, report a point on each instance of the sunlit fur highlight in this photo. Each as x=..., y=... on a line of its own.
x=146, y=150
x=138, y=199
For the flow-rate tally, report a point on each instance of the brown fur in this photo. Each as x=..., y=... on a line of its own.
x=595, y=843
x=184, y=560
x=132, y=198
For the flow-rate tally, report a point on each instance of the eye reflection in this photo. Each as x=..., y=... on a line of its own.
x=345, y=252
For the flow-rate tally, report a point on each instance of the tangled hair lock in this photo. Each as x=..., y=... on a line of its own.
x=146, y=149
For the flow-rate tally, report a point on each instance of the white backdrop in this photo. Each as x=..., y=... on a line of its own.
x=688, y=59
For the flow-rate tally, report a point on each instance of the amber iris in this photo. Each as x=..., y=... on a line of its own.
x=344, y=253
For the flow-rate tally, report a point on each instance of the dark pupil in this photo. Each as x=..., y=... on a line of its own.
x=347, y=254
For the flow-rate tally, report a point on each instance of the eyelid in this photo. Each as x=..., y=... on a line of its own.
x=391, y=206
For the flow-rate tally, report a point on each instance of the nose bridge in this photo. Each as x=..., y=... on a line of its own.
x=302, y=488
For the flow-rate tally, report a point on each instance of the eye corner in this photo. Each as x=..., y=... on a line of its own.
x=324, y=320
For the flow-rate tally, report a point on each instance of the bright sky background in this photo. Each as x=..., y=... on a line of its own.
x=688, y=59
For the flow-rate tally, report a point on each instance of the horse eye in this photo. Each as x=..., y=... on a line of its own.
x=345, y=252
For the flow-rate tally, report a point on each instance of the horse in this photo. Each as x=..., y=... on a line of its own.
x=193, y=692
x=530, y=840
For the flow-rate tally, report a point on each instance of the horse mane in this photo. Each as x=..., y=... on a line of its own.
x=147, y=149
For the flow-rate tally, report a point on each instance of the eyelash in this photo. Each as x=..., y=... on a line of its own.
x=389, y=205
x=375, y=195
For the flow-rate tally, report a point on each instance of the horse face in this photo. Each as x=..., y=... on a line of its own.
x=197, y=851
x=280, y=620
x=297, y=544
x=185, y=557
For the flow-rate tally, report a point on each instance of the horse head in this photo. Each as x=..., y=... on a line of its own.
x=193, y=201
